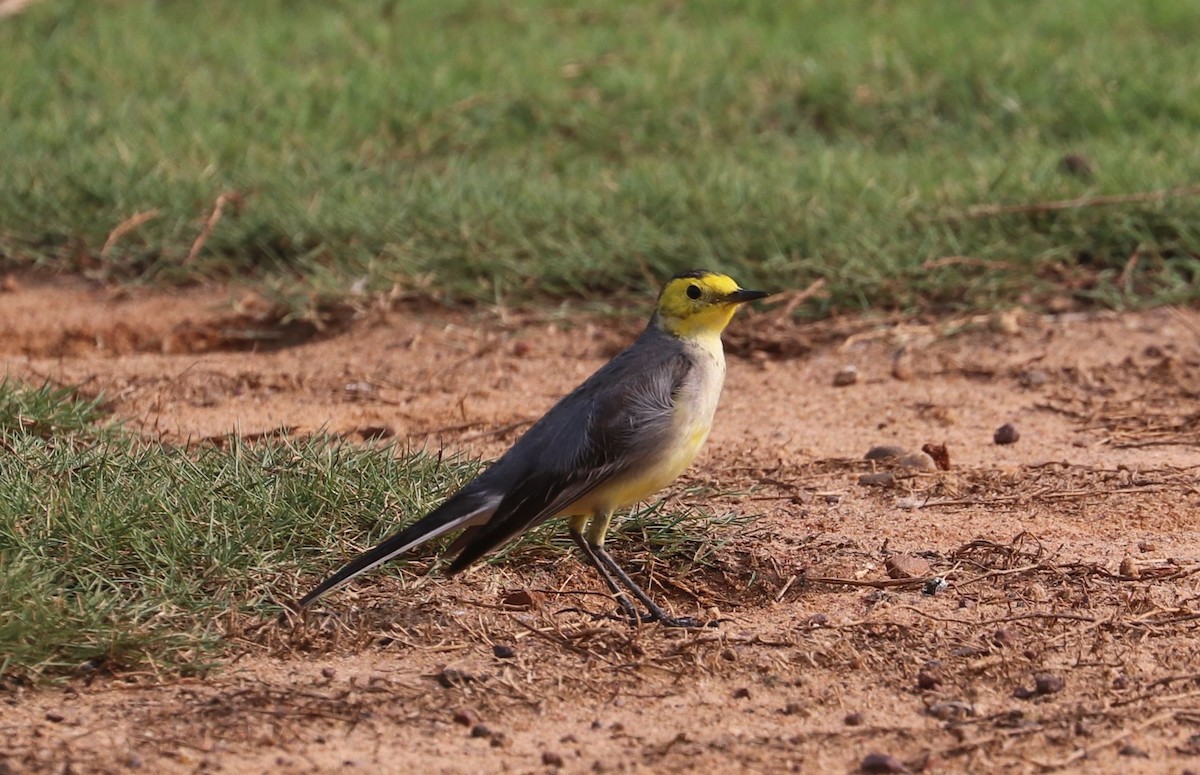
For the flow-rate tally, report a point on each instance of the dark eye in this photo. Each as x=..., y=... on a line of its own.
x=693, y=291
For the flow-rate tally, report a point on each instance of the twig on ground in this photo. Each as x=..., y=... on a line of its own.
x=998, y=573
x=1002, y=619
x=1083, y=753
x=876, y=583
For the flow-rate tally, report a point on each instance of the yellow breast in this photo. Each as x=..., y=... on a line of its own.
x=695, y=405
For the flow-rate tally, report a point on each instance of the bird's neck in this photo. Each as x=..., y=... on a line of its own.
x=703, y=326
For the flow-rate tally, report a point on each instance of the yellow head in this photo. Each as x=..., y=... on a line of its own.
x=700, y=303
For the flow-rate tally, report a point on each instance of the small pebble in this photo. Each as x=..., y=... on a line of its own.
x=1006, y=434
x=1006, y=322
x=1129, y=749
x=373, y=432
x=918, y=461
x=481, y=730
x=929, y=678
x=741, y=693
x=359, y=388
x=1033, y=378
x=906, y=566
x=853, y=719
x=54, y=716
x=881, y=763
x=328, y=673
x=935, y=585
x=1048, y=683
x=902, y=365
x=501, y=651
x=846, y=376
x=451, y=677
x=950, y=711
x=518, y=598
x=1129, y=568
x=885, y=452
x=466, y=718
x=939, y=453
x=877, y=479
x=552, y=759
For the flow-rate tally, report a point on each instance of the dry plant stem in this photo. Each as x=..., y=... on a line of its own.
x=210, y=224
x=996, y=574
x=791, y=300
x=124, y=227
x=991, y=211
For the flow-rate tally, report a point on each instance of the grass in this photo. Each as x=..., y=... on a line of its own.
x=117, y=552
x=527, y=150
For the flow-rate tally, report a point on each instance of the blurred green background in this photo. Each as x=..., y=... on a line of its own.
x=528, y=151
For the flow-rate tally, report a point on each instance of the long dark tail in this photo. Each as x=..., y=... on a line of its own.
x=459, y=511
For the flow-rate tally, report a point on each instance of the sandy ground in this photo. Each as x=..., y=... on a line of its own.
x=1067, y=639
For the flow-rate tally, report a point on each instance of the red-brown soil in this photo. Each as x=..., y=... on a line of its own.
x=1067, y=640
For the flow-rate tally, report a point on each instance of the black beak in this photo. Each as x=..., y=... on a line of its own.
x=743, y=296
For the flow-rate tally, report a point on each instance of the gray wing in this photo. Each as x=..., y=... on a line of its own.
x=613, y=423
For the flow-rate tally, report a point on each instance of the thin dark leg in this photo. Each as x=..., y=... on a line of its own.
x=622, y=599
x=656, y=614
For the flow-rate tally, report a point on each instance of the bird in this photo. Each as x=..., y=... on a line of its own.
x=624, y=434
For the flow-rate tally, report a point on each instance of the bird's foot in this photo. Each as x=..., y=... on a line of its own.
x=685, y=622
x=661, y=617
x=648, y=617
x=634, y=618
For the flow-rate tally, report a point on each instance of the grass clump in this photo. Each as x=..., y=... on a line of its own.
x=46, y=411
x=116, y=551
x=532, y=149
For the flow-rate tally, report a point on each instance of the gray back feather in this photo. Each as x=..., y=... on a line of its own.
x=615, y=422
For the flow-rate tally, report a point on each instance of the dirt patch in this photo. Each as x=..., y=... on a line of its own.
x=1066, y=638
